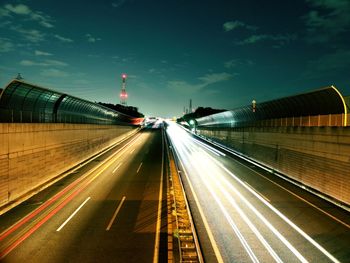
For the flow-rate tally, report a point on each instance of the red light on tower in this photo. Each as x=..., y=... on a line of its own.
x=123, y=94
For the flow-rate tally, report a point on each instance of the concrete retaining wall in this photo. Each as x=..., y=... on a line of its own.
x=33, y=154
x=318, y=157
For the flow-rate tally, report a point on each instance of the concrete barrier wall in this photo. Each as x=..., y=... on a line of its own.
x=33, y=154
x=318, y=157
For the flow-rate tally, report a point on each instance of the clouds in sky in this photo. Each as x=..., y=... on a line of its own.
x=63, y=39
x=233, y=63
x=280, y=39
x=23, y=10
x=6, y=45
x=231, y=25
x=206, y=80
x=119, y=3
x=92, y=39
x=54, y=73
x=45, y=63
x=328, y=64
x=42, y=53
x=255, y=38
x=31, y=35
x=327, y=19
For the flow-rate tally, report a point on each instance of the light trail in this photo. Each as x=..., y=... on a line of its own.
x=56, y=207
x=235, y=228
x=209, y=170
x=200, y=209
x=187, y=151
x=277, y=212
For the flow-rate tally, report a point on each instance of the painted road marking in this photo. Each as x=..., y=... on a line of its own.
x=72, y=215
x=117, y=167
x=115, y=213
x=156, y=245
x=138, y=169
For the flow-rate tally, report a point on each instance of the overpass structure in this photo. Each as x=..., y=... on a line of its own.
x=98, y=193
x=51, y=132
x=303, y=137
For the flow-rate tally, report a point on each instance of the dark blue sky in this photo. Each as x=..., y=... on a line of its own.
x=221, y=54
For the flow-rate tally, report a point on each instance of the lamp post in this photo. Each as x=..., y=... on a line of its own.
x=254, y=105
x=193, y=124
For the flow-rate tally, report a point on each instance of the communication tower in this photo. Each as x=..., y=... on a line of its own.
x=123, y=94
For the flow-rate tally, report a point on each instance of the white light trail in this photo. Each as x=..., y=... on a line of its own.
x=214, y=181
x=235, y=228
x=287, y=220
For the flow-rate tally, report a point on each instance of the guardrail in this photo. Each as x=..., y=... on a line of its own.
x=17, y=116
x=330, y=120
x=306, y=121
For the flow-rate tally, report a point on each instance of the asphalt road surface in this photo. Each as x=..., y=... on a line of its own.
x=107, y=211
x=245, y=214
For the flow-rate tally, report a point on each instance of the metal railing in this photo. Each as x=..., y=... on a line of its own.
x=17, y=116
x=329, y=120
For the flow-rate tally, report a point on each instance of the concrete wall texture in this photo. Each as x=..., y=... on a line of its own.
x=318, y=157
x=33, y=154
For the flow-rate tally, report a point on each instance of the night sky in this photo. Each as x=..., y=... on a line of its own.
x=221, y=54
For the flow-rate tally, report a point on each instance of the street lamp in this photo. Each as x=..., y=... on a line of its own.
x=254, y=105
x=193, y=125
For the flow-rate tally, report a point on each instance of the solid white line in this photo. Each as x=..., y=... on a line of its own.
x=302, y=199
x=286, y=179
x=282, y=216
x=117, y=167
x=231, y=222
x=115, y=213
x=208, y=147
x=257, y=213
x=71, y=216
x=156, y=245
x=138, y=169
x=205, y=222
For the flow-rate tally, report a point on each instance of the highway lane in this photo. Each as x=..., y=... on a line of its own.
x=244, y=214
x=110, y=212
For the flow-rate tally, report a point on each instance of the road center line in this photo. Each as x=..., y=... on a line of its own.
x=72, y=215
x=115, y=213
x=138, y=169
x=117, y=167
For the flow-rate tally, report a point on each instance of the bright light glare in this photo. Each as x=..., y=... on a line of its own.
x=287, y=220
x=212, y=173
